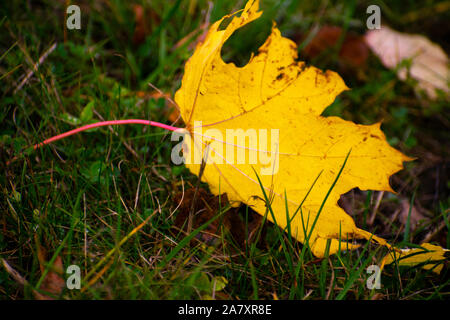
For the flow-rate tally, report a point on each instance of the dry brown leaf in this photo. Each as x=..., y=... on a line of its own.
x=429, y=63
x=353, y=52
x=53, y=282
x=415, y=216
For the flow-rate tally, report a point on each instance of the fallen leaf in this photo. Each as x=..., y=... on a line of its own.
x=435, y=255
x=428, y=62
x=296, y=178
x=353, y=51
x=415, y=216
x=53, y=282
x=274, y=91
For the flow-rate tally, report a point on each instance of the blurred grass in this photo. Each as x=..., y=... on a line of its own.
x=82, y=196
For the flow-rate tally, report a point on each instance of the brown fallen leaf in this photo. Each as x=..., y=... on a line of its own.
x=353, y=52
x=428, y=62
x=415, y=216
x=53, y=282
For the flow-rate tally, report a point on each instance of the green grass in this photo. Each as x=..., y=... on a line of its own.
x=82, y=197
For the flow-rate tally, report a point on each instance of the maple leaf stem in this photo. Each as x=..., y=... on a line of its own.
x=105, y=123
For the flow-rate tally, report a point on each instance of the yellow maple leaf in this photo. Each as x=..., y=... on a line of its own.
x=432, y=256
x=281, y=99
